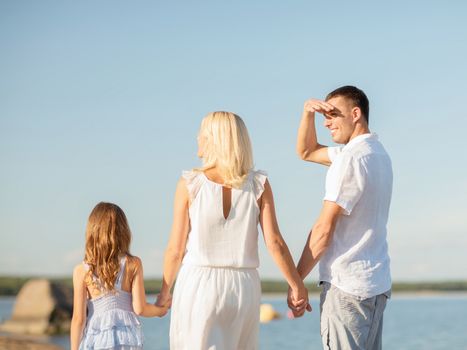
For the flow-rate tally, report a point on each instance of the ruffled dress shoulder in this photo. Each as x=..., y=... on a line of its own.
x=195, y=179
x=258, y=179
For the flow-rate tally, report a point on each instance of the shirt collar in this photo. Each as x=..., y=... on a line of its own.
x=360, y=138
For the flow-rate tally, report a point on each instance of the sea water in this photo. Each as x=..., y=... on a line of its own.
x=411, y=322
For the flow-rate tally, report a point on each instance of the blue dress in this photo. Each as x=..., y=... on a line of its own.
x=111, y=321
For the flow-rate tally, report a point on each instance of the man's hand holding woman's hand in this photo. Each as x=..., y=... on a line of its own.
x=297, y=300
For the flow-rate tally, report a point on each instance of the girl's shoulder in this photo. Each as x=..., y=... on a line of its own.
x=80, y=270
x=133, y=260
x=80, y=274
x=83, y=271
x=133, y=264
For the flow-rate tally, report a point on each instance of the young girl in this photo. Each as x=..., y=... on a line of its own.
x=109, y=284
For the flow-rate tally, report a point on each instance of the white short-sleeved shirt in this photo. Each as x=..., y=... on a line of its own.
x=360, y=181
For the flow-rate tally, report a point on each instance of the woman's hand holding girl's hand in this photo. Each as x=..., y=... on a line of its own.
x=164, y=300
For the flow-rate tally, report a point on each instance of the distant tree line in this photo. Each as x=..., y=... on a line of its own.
x=12, y=285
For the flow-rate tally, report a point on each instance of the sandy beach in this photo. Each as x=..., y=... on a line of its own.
x=8, y=342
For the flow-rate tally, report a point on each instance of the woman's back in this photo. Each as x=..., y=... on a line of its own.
x=218, y=238
x=217, y=295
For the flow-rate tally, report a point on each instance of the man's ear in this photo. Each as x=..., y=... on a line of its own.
x=356, y=114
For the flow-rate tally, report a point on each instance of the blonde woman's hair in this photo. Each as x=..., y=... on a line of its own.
x=108, y=237
x=227, y=147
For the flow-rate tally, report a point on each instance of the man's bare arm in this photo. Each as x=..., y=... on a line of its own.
x=308, y=147
x=319, y=238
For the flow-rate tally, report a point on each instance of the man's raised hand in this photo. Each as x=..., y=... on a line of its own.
x=315, y=105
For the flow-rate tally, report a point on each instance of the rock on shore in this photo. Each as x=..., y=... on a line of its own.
x=41, y=307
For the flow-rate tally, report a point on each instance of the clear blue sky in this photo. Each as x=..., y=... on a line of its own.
x=102, y=100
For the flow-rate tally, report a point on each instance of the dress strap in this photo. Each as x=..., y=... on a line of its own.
x=118, y=281
x=94, y=278
x=87, y=268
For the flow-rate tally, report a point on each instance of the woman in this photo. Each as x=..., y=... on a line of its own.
x=214, y=243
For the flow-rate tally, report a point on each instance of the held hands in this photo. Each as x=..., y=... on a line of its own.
x=315, y=105
x=297, y=300
x=164, y=301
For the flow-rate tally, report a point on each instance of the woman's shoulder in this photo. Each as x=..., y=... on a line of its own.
x=192, y=180
x=259, y=173
x=191, y=174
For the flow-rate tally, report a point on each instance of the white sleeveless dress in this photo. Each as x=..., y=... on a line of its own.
x=216, y=297
x=111, y=321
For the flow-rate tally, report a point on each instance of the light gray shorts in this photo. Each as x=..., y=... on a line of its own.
x=349, y=322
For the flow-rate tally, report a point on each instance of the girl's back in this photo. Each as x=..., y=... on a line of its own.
x=110, y=288
x=111, y=321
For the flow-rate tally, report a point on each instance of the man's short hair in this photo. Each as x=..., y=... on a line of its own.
x=355, y=95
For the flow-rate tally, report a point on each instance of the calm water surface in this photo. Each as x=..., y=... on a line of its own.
x=410, y=323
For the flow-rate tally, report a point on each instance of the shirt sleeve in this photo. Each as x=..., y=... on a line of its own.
x=333, y=152
x=345, y=182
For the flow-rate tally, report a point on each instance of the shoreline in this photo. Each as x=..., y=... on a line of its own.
x=314, y=294
x=11, y=285
x=394, y=295
x=21, y=342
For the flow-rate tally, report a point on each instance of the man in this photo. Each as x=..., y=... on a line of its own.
x=349, y=237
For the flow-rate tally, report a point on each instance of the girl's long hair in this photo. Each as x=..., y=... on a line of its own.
x=108, y=237
x=227, y=147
